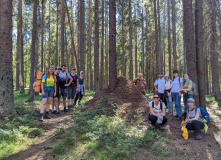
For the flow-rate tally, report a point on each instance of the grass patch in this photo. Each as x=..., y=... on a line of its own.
x=210, y=100
x=149, y=95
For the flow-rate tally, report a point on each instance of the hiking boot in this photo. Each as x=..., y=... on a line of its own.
x=47, y=115
x=199, y=137
x=53, y=112
x=65, y=110
x=179, y=118
x=41, y=117
x=176, y=116
x=57, y=113
x=162, y=127
x=153, y=127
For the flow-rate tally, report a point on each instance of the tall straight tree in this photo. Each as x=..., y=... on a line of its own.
x=213, y=51
x=131, y=45
x=6, y=81
x=123, y=63
x=62, y=31
x=56, y=56
x=89, y=47
x=49, y=35
x=160, y=57
x=169, y=36
x=136, y=72
x=156, y=37
x=33, y=48
x=96, y=48
x=147, y=49
x=102, y=49
x=42, y=36
x=190, y=44
x=174, y=33
x=200, y=56
x=112, y=46
x=20, y=46
x=82, y=36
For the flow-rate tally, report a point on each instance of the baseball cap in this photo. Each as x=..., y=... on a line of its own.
x=166, y=75
x=81, y=72
x=191, y=100
x=175, y=71
x=57, y=68
x=160, y=72
x=73, y=68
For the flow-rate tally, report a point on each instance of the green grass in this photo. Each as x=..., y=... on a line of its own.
x=210, y=100
x=149, y=95
x=19, y=131
x=100, y=135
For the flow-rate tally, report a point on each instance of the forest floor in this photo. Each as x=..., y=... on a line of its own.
x=110, y=126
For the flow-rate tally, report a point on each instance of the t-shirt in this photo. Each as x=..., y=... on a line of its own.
x=186, y=86
x=176, y=85
x=168, y=85
x=160, y=83
x=193, y=115
x=74, y=82
x=81, y=81
x=63, y=77
x=156, y=108
x=48, y=82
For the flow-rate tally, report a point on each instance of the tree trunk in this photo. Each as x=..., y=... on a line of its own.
x=66, y=48
x=123, y=59
x=42, y=36
x=89, y=48
x=190, y=45
x=56, y=56
x=102, y=50
x=130, y=41
x=142, y=37
x=147, y=50
x=33, y=49
x=20, y=46
x=106, y=46
x=213, y=51
x=82, y=36
x=96, y=48
x=136, y=72
x=49, y=35
x=160, y=56
x=112, y=46
x=157, y=38
x=6, y=80
x=169, y=38
x=62, y=31
x=200, y=56
x=174, y=33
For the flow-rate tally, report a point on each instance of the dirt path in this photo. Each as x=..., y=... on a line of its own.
x=191, y=149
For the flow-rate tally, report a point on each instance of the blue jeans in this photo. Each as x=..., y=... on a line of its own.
x=185, y=100
x=176, y=100
x=169, y=103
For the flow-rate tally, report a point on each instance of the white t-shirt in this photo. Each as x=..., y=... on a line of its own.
x=160, y=83
x=156, y=108
x=176, y=85
x=168, y=85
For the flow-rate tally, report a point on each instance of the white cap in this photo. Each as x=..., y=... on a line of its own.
x=166, y=75
x=81, y=72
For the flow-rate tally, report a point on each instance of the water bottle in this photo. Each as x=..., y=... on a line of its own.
x=161, y=116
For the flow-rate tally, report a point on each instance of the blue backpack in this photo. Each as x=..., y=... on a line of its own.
x=204, y=114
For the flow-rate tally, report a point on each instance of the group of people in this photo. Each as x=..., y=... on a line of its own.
x=168, y=91
x=56, y=83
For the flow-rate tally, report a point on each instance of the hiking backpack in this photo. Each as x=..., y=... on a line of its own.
x=161, y=105
x=204, y=114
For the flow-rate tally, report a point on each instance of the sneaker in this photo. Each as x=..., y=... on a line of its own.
x=167, y=110
x=176, y=116
x=47, y=115
x=199, y=137
x=41, y=117
x=65, y=110
x=53, y=112
x=153, y=127
x=179, y=118
x=162, y=127
x=58, y=113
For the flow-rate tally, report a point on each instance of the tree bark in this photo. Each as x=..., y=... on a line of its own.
x=213, y=51
x=200, y=56
x=157, y=39
x=160, y=57
x=56, y=56
x=190, y=45
x=89, y=48
x=82, y=36
x=96, y=48
x=136, y=72
x=112, y=46
x=102, y=50
x=130, y=41
x=62, y=32
x=169, y=37
x=123, y=59
x=42, y=36
x=174, y=33
x=49, y=35
x=6, y=80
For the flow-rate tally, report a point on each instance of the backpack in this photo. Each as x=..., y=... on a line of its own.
x=194, y=88
x=204, y=114
x=161, y=105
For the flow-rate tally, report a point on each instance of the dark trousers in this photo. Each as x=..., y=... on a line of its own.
x=163, y=99
x=195, y=125
x=153, y=120
x=78, y=96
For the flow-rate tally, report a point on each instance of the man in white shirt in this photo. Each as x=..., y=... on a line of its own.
x=159, y=86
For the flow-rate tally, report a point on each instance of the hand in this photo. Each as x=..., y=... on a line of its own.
x=185, y=91
x=76, y=90
x=180, y=94
x=156, y=90
x=160, y=117
x=66, y=85
x=43, y=93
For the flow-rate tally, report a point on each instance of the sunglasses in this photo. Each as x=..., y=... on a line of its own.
x=155, y=97
x=190, y=102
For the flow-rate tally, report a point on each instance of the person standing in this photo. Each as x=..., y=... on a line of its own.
x=187, y=90
x=140, y=83
x=80, y=89
x=176, y=93
x=56, y=99
x=168, y=93
x=48, y=87
x=63, y=82
x=72, y=88
x=159, y=86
